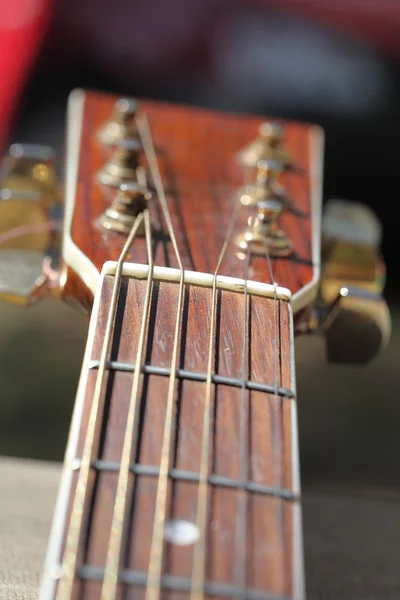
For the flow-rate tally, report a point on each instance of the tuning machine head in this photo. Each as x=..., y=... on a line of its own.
x=268, y=145
x=351, y=310
x=130, y=200
x=122, y=123
x=30, y=220
x=262, y=235
x=122, y=165
x=264, y=188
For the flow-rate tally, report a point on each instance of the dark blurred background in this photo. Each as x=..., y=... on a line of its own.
x=334, y=63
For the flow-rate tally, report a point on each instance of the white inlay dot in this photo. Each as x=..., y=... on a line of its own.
x=181, y=532
x=76, y=464
x=56, y=572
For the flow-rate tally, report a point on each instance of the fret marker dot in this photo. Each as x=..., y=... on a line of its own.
x=76, y=464
x=181, y=532
x=56, y=573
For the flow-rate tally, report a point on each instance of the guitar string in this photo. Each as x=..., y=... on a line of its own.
x=241, y=524
x=162, y=486
x=241, y=519
x=156, y=551
x=277, y=405
x=153, y=586
x=65, y=586
x=198, y=570
x=110, y=582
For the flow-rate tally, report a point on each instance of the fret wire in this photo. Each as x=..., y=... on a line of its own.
x=176, y=583
x=155, y=563
x=65, y=586
x=193, y=477
x=110, y=583
x=198, y=569
x=194, y=376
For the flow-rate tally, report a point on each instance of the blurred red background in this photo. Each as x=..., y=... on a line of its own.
x=157, y=39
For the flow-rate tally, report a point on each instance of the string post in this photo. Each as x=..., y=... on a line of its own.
x=272, y=133
x=122, y=123
x=122, y=165
x=130, y=200
x=270, y=200
x=268, y=145
x=265, y=187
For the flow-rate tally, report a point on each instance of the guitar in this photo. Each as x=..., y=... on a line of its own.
x=192, y=239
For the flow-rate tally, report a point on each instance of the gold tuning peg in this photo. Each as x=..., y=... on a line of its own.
x=263, y=233
x=30, y=221
x=129, y=201
x=268, y=145
x=352, y=312
x=264, y=187
x=123, y=164
x=122, y=123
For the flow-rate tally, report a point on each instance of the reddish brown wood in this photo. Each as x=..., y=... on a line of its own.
x=268, y=549
x=74, y=292
x=197, y=152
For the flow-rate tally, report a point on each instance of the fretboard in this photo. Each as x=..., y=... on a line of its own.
x=251, y=543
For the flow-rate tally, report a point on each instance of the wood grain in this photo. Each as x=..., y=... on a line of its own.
x=268, y=547
x=197, y=153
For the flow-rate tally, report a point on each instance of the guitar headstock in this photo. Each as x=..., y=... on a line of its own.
x=242, y=196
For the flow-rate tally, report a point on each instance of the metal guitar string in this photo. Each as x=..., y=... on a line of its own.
x=241, y=520
x=64, y=591
x=110, y=582
x=198, y=571
x=277, y=401
x=153, y=586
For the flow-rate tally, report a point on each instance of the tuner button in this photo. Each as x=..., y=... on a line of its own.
x=358, y=326
x=122, y=124
x=29, y=212
x=123, y=164
x=352, y=222
x=29, y=170
x=353, y=314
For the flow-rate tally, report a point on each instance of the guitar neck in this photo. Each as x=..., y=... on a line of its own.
x=249, y=483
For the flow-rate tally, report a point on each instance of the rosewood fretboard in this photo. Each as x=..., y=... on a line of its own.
x=265, y=560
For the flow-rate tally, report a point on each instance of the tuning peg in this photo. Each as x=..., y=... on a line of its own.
x=262, y=234
x=268, y=145
x=351, y=310
x=122, y=123
x=122, y=166
x=30, y=212
x=129, y=201
x=264, y=189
